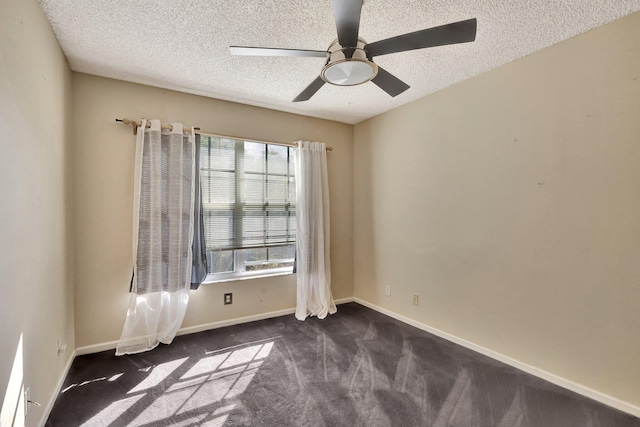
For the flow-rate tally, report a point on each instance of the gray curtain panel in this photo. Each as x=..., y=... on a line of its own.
x=199, y=269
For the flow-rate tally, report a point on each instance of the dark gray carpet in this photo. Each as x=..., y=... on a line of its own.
x=355, y=368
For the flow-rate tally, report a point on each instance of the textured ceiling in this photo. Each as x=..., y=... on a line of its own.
x=184, y=44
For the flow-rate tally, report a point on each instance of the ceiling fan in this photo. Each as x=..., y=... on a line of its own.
x=350, y=58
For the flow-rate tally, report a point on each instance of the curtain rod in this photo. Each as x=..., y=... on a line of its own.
x=135, y=124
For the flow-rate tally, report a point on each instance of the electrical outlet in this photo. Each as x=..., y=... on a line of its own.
x=415, y=299
x=387, y=290
x=228, y=298
x=27, y=399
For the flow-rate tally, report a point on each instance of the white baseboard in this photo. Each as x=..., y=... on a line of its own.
x=52, y=400
x=547, y=376
x=96, y=348
x=110, y=345
x=236, y=321
x=247, y=319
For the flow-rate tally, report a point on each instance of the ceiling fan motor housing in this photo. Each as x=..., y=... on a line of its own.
x=348, y=66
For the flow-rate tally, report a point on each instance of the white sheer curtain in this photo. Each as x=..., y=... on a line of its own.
x=312, y=232
x=162, y=236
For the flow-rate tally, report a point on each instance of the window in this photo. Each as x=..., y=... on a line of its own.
x=248, y=198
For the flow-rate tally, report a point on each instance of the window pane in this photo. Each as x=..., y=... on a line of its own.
x=276, y=227
x=282, y=252
x=254, y=157
x=277, y=159
x=218, y=186
x=253, y=230
x=218, y=227
x=222, y=153
x=253, y=188
x=276, y=187
x=254, y=255
x=220, y=261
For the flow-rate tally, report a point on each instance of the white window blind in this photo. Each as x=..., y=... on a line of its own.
x=248, y=194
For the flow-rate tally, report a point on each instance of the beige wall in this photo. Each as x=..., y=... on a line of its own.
x=103, y=155
x=36, y=286
x=511, y=204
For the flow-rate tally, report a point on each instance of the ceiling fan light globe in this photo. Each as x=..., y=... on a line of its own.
x=348, y=66
x=349, y=72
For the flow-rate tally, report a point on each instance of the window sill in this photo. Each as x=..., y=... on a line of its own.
x=234, y=278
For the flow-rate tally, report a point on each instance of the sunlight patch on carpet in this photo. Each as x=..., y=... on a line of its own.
x=111, y=413
x=157, y=375
x=201, y=395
